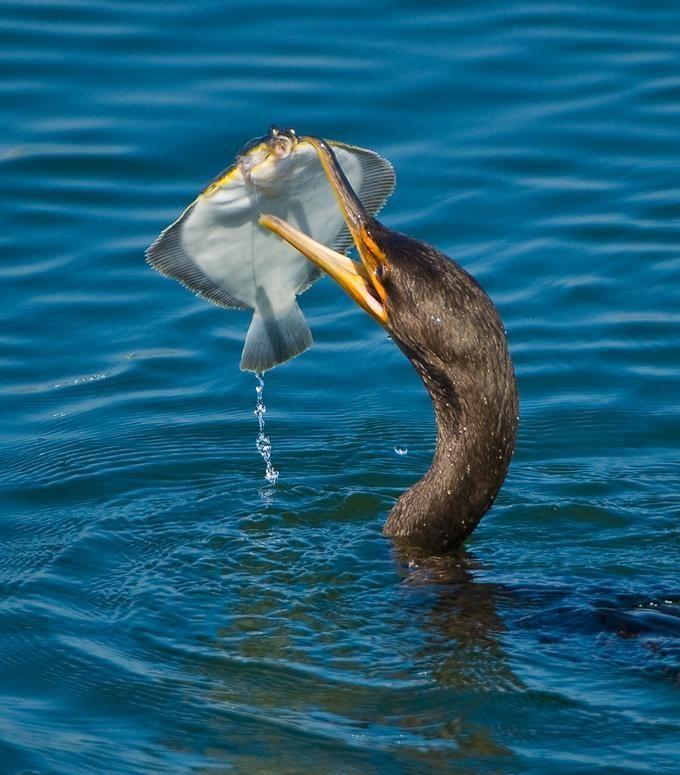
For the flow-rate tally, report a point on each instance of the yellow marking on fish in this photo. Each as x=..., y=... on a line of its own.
x=230, y=174
x=226, y=178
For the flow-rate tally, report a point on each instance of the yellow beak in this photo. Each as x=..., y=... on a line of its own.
x=360, y=281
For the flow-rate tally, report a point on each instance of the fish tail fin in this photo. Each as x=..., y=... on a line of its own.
x=275, y=338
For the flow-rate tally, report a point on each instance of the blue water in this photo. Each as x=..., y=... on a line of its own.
x=164, y=608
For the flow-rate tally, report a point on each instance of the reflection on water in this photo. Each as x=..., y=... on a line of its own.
x=420, y=686
x=464, y=624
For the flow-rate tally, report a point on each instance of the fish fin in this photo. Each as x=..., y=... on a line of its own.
x=275, y=338
x=376, y=186
x=312, y=277
x=167, y=255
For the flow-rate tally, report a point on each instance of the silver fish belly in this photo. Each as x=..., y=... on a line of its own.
x=217, y=249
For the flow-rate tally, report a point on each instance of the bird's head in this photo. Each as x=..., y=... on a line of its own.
x=417, y=294
x=363, y=281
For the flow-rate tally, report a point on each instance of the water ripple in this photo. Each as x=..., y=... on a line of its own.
x=158, y=612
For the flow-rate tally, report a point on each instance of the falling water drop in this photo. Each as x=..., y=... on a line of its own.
x=263, y=444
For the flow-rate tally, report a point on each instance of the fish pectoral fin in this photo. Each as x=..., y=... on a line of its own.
x=274, y=338
x=377, y=184
x=167, y=255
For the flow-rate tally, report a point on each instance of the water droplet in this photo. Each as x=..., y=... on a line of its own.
x=262, y=442
x=401, y=450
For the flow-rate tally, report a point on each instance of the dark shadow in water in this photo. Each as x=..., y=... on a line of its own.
x=638, y=631
x=464, y=650
x=463, y=619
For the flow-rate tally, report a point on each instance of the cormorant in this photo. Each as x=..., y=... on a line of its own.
x=449, y=329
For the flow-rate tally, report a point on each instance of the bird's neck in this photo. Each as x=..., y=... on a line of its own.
x=475, y=437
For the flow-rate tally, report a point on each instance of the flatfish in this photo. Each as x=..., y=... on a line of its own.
x=217, y=249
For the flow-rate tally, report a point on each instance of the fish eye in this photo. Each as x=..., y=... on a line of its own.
x=281, y=142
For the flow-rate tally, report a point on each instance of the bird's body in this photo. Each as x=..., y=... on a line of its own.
x=449, y=329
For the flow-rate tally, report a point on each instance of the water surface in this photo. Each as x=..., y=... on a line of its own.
x=164, y=608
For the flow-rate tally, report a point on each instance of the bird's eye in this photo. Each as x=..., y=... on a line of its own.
x=382, y=272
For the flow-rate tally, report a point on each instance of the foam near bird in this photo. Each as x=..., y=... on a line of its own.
x=217, y=249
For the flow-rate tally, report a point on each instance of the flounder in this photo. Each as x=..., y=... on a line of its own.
x=217, y=249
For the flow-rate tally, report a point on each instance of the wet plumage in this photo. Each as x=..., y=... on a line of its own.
x=449, y=329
